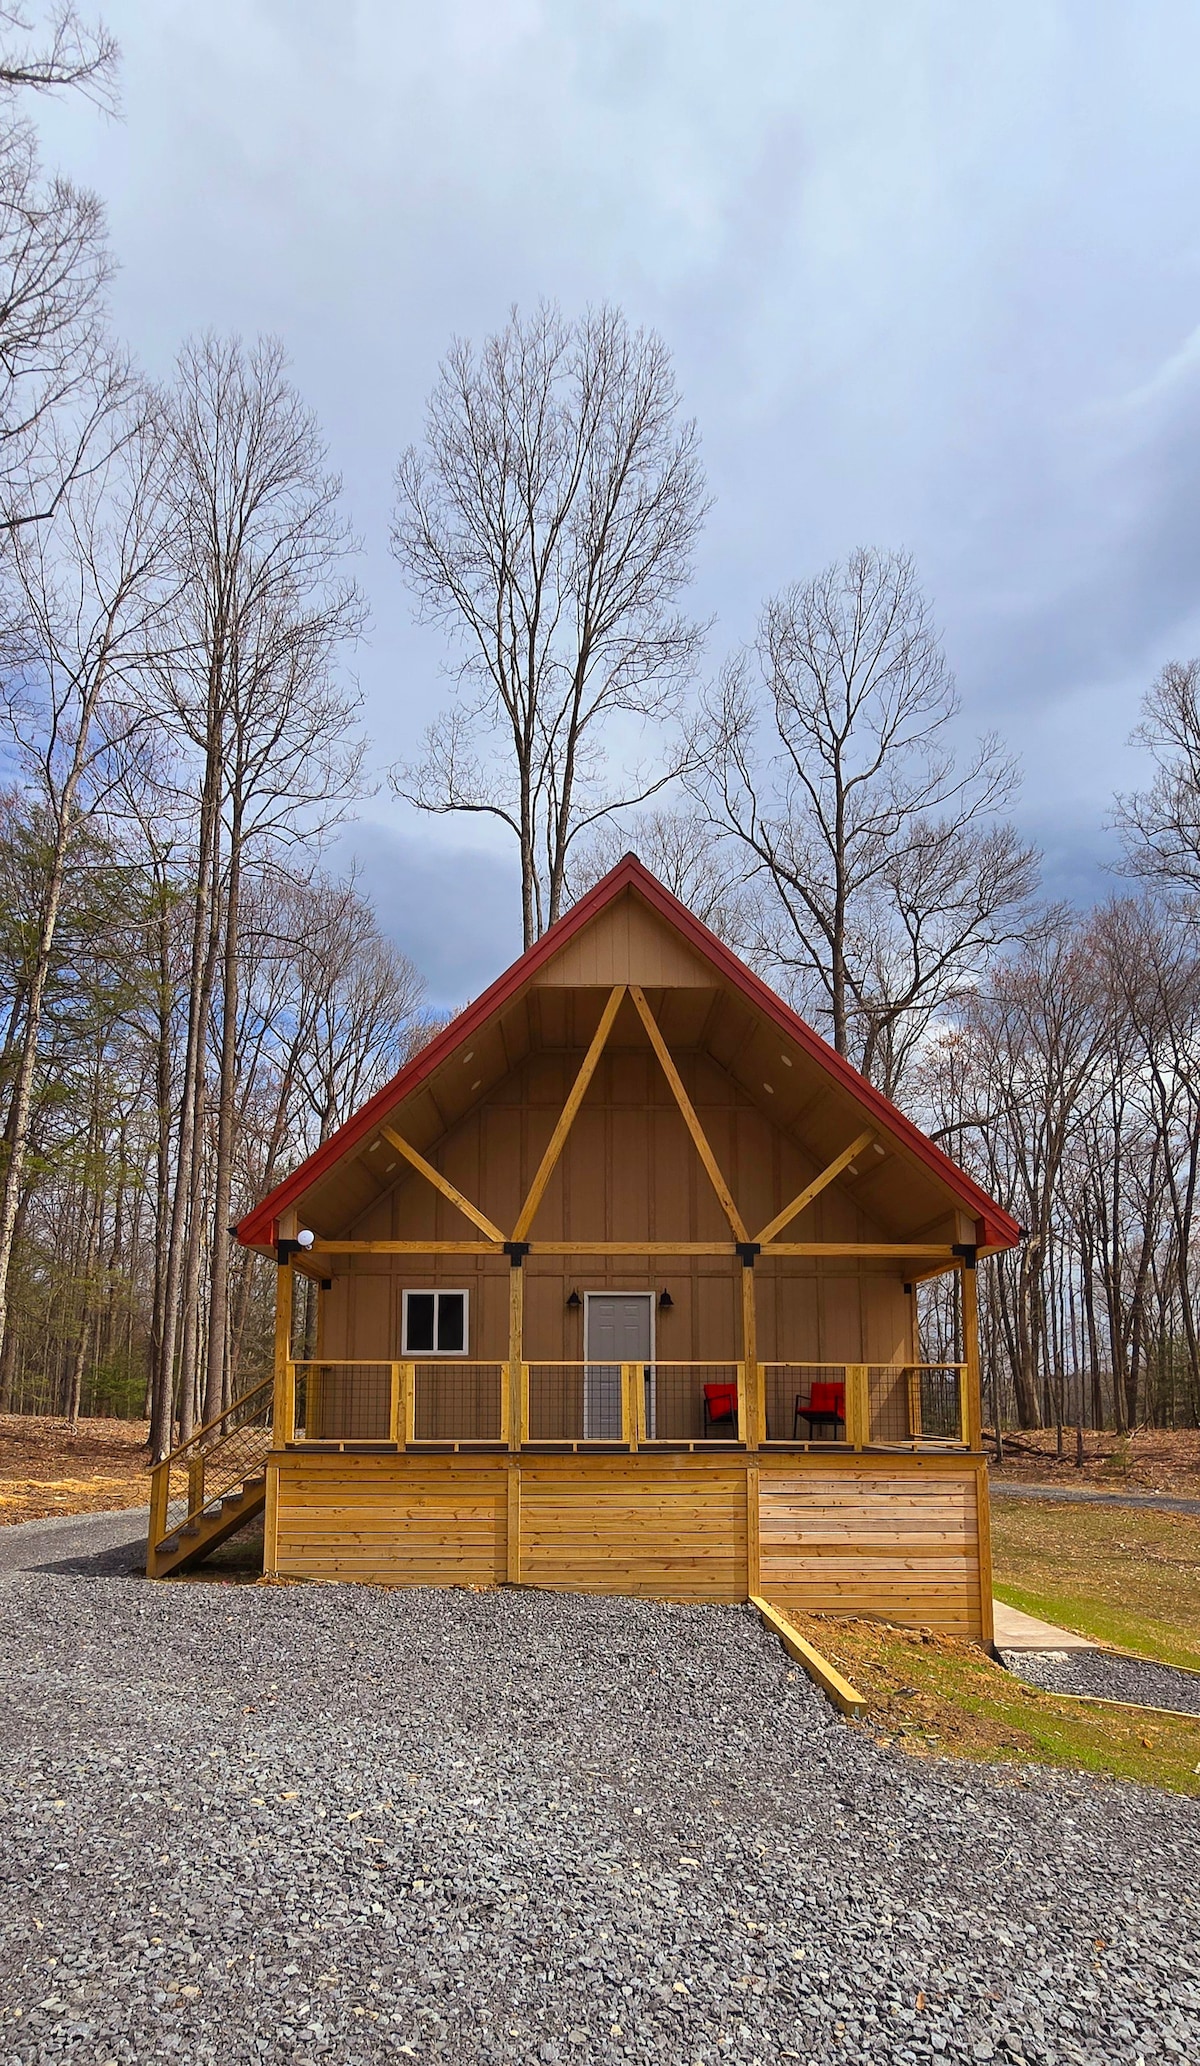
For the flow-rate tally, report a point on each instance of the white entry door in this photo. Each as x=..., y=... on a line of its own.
x=618, y=1327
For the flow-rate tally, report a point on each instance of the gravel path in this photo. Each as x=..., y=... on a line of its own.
x=1099, y=1674
x=334, y=1824
x=1164, y=1502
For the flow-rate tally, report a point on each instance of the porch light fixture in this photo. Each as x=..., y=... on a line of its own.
x=574, y=1299
x=305, y=1238
x=664, y=1301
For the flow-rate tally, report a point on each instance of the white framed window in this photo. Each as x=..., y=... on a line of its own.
x=436, y=1323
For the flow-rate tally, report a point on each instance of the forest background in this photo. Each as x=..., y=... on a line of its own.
x=194, y=995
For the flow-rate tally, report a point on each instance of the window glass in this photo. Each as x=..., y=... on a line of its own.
x=418, y=1321
x=450, y=1321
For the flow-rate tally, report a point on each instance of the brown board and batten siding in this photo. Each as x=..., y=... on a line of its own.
x=627, y=1173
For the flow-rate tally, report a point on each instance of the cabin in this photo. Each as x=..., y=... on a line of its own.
x=616, y=1292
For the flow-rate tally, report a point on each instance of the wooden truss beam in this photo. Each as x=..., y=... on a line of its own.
x=566, y=1118
x=442, y=1183
x=688, y=1111
x=813, y=1190
x=935, y=1270
x=919, y=1251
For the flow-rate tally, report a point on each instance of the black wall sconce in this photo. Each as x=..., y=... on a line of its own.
x=665, y=1301
x=574, y=1299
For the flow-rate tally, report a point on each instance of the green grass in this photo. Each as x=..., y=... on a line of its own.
x=935, y=1695
x=1126, y=1575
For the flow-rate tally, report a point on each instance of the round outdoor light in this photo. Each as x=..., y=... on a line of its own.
x=305, y=1238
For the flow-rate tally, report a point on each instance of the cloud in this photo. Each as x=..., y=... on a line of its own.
x=453, y=909
x=931, y=276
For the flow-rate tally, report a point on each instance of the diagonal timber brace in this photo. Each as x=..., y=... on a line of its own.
x=441, y=1183
x=688, y=1111
x=818, y=1184
x=566, y=1118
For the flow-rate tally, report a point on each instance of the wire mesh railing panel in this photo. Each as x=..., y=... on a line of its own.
x=343, y=1402
x=691, y=1402
x=940, y=1391
x=456, y=1402
x=572, y=1402
x=888, y=1403
x=218, y=1460
x=804, y=1402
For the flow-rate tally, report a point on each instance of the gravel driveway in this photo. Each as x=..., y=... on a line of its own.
x=331, y=1823
x=1103, y=1675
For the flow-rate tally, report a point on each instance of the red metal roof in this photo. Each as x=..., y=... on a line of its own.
x=995, y=1228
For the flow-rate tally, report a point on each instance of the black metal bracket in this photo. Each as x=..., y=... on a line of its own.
x=285, y=1250
x=327, y=1283
x=967, y=1250
x=516, y=1251
x=908, y=1291
x=748, y=1250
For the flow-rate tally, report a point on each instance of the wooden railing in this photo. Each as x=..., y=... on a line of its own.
x=629, y=1405
x=213, y=1463
x=407, y=1401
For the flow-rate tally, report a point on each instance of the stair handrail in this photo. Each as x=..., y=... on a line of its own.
x=160, y=1475
x=266, y=1384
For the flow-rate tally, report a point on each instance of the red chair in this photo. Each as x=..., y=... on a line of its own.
x=720, y=1405
x=826, y=1406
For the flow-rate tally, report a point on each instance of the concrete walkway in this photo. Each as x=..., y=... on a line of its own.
x=1016, y=1631
x=1164, y=1502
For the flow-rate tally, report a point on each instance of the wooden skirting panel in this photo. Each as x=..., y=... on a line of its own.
x=895, y=1538
x=664, y=1527
x=392, y=1520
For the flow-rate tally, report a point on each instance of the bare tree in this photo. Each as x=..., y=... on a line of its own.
x=265, y=610
x=1160, y=825
x=824, y=758
x=69, y=53
x=678, y=847
x=548, y=523
x=58, y=381
x=90, y=601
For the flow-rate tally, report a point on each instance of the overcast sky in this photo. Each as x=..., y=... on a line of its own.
x=930, y=273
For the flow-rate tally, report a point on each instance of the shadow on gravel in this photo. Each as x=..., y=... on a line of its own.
x=124, y=1560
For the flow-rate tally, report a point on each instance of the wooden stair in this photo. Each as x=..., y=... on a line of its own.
x=210, y=1486
x=207, y=1531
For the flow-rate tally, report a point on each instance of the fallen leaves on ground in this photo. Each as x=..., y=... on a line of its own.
x=49, y=1468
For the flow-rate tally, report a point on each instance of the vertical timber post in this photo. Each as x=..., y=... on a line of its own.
x=512, y=1570
x=283, y=1416
x=971, y=1429
x=160, y=1494
x=970, y=1397
x=755, y=1428
x=516, y=1251
x=633, y=1392
x=858, y=1406
x=753, y=1531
